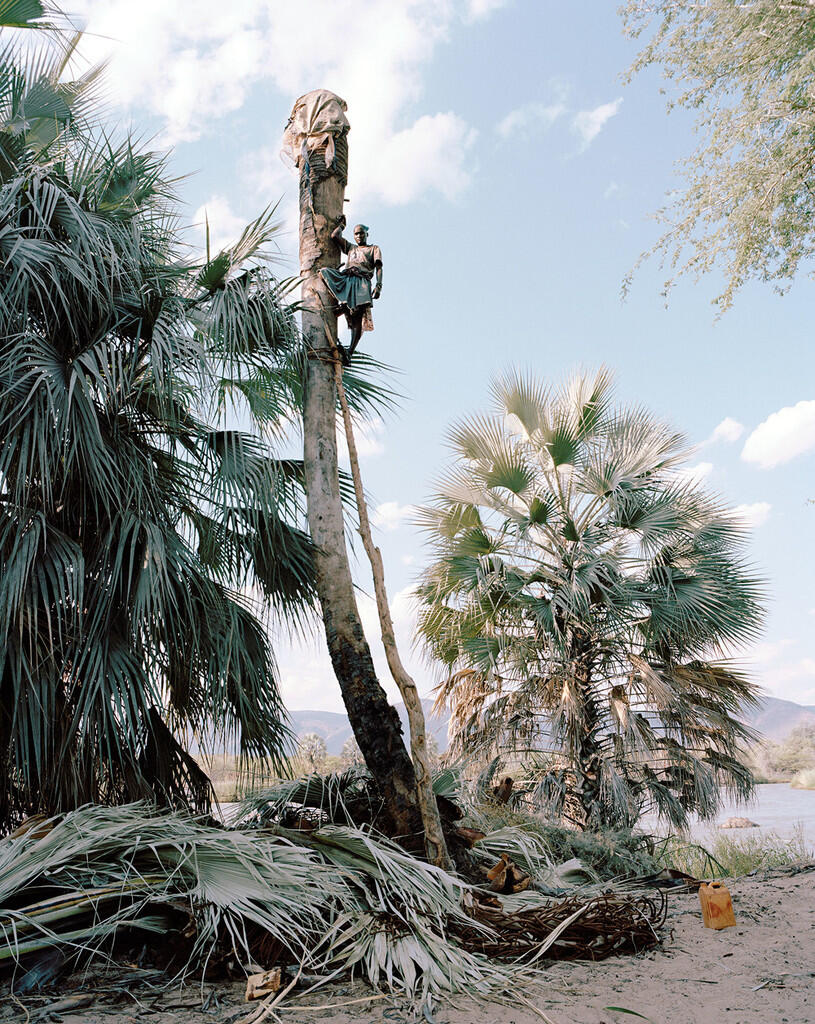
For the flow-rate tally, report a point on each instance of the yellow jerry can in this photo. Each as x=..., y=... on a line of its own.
x=717, y=907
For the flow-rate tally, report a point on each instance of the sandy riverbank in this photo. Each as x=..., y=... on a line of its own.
x=761, y=971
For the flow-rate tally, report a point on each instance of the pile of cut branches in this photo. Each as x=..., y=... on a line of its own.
x=571, y=929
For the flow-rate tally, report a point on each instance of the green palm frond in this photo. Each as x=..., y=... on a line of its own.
x=21, y=13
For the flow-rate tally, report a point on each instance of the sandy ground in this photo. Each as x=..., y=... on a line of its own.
x=760, y=972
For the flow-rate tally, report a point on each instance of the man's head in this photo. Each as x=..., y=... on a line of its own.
x=361, y=234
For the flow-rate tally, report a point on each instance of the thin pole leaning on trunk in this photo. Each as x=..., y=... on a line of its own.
x=435, y=844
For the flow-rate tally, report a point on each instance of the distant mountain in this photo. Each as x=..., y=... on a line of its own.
x=773, y=718
x=335, y=728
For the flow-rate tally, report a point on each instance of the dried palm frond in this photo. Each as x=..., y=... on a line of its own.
x=337, y=899
x=573, y=929
x=103, y=869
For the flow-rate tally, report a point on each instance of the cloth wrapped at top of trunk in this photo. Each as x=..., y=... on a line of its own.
x=317, y=119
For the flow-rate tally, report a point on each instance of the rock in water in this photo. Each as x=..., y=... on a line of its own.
x=738, y=823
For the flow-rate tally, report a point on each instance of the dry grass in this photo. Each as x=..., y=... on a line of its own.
x=233, y=782
x=730, y=856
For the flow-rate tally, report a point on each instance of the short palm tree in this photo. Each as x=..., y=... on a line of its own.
x=582, y=595
x=144, y=541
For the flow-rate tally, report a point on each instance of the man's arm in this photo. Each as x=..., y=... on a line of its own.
x=336, y=234
x=378, y=289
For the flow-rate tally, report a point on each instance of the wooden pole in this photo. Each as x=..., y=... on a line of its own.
x=435, y=844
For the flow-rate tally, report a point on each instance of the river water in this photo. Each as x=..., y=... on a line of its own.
x=776, y=808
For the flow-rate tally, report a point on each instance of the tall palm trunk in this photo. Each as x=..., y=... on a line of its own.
x=582, y=804
x=376, y=724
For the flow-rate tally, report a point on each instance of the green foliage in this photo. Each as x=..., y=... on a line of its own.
x=794, y=754
x=21, y=13
x=143, y=541
x=781, y=761
x=730, y=856
x=607, y=853
x=748, y=71
x=581, y=597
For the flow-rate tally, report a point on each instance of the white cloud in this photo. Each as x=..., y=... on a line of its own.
x=368, y=435
x=782, y=668
x=753, y=515
x=430, y=156
x=695, y=474
x=782, y=436
x=791, y=680
x=264, y=173
x=410, y=560
x=525, y=120
x=767, y=652
x=478, y=9
x=225, y=226
x=729, y=430
x=589, y=123
x=182, y=61
x=190, y=63
x=611, y=188
x=390, y=515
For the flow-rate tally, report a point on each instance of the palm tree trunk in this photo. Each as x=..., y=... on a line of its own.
x=583, y=805
x=435, y=844
x=376, y=724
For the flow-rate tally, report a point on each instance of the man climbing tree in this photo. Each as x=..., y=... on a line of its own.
x=351, y=284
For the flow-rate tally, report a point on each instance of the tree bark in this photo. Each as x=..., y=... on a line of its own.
x=583, y=807
x=435, y=844
x=376, y=724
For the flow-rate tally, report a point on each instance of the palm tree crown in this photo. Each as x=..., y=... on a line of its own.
x=582, y=594
x=142, y=538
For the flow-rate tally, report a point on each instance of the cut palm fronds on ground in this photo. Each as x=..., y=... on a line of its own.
x=100, y=870
x=334, y=900
x=348, y=797
x=529, y=850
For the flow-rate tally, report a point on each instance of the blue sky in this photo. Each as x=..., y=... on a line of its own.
x=508, y=175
